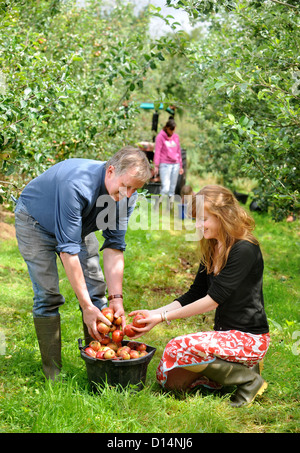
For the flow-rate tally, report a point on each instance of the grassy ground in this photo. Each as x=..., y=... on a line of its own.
x=159, y=266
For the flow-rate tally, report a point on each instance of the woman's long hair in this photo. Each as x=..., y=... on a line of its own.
x=235, y=224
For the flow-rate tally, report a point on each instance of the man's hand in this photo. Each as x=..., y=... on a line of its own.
x=117, y=306
x=91, y=315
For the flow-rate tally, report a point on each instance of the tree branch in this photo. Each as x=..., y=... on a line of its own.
x=284, y=4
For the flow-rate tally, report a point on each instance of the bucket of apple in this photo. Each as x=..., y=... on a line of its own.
x=114, y=360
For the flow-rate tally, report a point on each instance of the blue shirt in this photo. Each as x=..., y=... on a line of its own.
x=70, y=201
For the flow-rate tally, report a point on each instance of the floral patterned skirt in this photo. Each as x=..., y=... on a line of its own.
x=204, y=347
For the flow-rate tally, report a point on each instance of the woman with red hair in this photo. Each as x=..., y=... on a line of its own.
x=229, y=281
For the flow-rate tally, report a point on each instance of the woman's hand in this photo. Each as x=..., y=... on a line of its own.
x=151, y=319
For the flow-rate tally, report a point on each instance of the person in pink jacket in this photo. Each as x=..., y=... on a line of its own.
x=167, y=158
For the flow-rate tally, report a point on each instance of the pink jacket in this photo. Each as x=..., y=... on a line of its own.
x=167, y=149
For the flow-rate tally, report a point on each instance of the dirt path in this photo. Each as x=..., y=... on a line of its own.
x=7, y=229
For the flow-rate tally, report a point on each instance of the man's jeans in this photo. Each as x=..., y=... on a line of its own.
x=38, y=248
x=168, y=175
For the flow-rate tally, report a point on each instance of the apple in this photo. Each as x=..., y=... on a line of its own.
x=100, y=355
x=105, y=340
x=104, y=348
x=123, y=348
x=132, y=344
x=134, y=354
x=90, y=352
x=108, y=313
x=125, y=355
x=128, y=331
x=117, y=336
x=109, y=354
x=137, y=318
x=141, y=347
x=117, y=321
x=103, y=328
x=96, y=345
x=113, y=327
x=113, y=346
x=143, y=353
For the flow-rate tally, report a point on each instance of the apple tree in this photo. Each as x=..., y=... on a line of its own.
x=242, y=81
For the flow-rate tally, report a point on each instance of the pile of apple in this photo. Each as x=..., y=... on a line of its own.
x=110, y=347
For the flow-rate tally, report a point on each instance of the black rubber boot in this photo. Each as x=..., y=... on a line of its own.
x=249, y=383
x=49, y=337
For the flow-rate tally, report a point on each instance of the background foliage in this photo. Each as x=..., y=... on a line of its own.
x=72, y=80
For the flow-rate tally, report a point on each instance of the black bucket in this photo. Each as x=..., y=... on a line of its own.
x=117, y=372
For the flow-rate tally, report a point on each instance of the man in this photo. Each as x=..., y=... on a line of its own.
x=57, y=214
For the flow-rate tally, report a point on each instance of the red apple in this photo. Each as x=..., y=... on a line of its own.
x=113, y=346
x=113, y=327
x=141, y=347
x=109, y=354
x=90, y=352
x=117, y=321
x=137, y=318
x=105, y=340
x=128, y=331
x=143, y=353
x=117, y=336
x=103, y=328
x=100, y=355
x=123, y=348
x=108, y=313
x=132, y=344
x=95, y=345
x=125, y=355
x=134, y=354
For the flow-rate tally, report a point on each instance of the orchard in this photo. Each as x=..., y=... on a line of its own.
x=70, y=86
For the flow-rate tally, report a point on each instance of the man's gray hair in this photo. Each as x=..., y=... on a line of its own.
x=131, y=158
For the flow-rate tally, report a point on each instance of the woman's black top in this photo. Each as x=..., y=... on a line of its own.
x=237, y=290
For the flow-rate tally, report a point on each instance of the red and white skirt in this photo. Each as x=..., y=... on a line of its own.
x=204, y=347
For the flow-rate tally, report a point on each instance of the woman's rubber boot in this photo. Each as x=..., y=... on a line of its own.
x=48, y=333
x=249, y=383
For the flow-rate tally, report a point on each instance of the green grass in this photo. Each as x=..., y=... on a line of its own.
x=159, y=266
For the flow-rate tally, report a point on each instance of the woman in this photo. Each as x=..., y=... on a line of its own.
x=167, y=158
x=229, y=281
